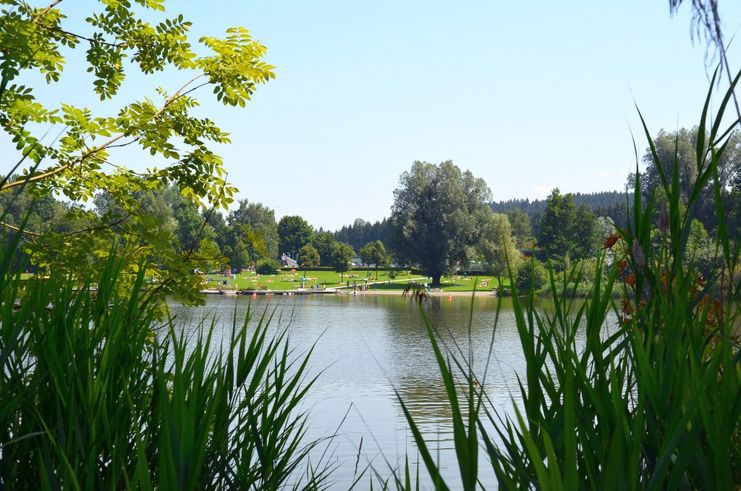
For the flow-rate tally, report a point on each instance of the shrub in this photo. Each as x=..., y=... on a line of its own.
x=531, y=275
x=267, y=266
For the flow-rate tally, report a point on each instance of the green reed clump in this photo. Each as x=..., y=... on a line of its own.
x=642, y=392
x=96, y=394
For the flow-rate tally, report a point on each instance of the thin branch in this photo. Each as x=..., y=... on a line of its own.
x=85, y=38
x=43, y=12
x=20, y=230
x=724, y=60
x=706, y=17
x=124, y=169
x=50, y=173
x=46, y=10
x=37, y=177
x=126, y=144
x=209, y=213
x=193, y=89
x=102, y=226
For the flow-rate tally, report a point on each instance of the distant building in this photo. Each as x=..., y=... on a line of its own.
x=528, y=253
x=287, y=262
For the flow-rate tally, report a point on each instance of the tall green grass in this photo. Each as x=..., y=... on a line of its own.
x=649, y=401
x=96, y=393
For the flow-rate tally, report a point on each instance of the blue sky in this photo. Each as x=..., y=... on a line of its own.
x=527, y=95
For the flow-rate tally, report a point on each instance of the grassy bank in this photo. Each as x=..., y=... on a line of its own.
x=292, y=280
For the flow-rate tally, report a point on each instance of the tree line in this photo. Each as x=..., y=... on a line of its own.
x=612, y=204
x=74, y=202
x=442, y=220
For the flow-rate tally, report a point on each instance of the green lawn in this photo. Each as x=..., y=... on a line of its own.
x=466, y=283
x=287, y=280
x=452, y=284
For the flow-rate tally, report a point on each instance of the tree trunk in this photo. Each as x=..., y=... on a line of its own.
x=436, y=280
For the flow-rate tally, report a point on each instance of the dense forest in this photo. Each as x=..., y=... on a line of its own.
x=238, y=238
x=613, y=204
x=249, y=236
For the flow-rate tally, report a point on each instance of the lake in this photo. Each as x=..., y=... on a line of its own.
x=369, y=345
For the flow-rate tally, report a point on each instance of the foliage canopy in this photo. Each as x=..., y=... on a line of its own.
x=84, y=156
x=437, y=214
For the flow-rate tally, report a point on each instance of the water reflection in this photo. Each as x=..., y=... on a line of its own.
x=369, y=346
x=425, y=399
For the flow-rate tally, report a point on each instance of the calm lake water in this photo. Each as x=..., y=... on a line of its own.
x=369, y=345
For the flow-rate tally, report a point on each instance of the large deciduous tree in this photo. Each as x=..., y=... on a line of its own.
x=82, y=153
x=308, y=257
x=293, y=233
x=521, y=228
x=254, y=234
x=682, y=144
x=375, y=253
x=585, y=233
x=497, y=246
x=342, y=254
x=437, y=214
x=323, y=242
x=261, y=219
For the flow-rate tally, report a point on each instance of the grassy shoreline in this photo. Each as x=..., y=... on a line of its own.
x=295, y=280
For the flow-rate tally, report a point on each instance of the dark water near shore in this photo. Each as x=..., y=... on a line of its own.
x=369, y=346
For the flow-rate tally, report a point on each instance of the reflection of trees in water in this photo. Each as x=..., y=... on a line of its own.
x=413, y=370
x=408, y=348
x=427, y=401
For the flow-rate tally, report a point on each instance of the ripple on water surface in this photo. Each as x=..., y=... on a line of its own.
x=367, y=346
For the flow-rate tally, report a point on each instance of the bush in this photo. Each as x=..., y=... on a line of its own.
x=531, y=275
x=267, y=266
x=579, y=277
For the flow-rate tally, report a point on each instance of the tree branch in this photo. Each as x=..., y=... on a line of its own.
x=102, y=226
x=46, y=9
x=20, y=230
x=85, y=38
x=50, y=173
